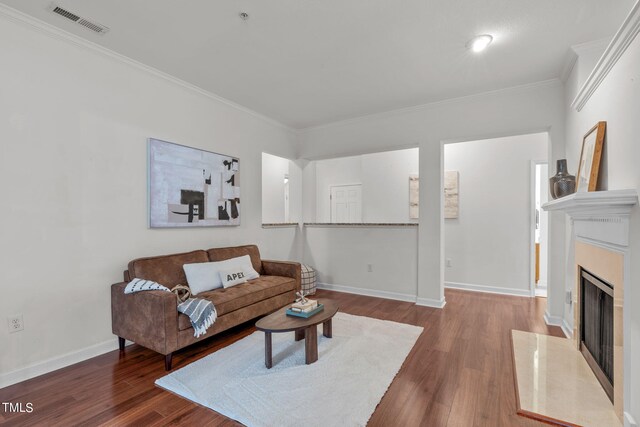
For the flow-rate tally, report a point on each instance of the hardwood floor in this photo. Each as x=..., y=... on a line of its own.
x=459, y=373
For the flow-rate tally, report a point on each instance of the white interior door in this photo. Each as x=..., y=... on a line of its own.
x=346, y=203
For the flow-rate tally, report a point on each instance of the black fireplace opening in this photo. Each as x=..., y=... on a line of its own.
x=596, y=327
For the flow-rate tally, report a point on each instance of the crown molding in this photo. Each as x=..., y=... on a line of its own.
x=431, y=105
x=569, y=62
x=576, y=50
x=593, y=44
x=619, y=44
x=52, y=31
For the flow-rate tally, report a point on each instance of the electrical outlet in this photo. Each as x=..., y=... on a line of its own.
x=449, y=263
x=370, y=268
x=15, y=323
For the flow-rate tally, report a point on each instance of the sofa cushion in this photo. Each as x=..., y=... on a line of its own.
x=232, y=276
x=202, y=276
x=205, y=276
x=243, y=262
x=236, y=297
x=165, y=269
x=221, y=254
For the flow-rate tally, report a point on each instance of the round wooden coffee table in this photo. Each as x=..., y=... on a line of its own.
x=304, y=328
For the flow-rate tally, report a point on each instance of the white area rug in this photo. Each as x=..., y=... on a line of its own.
x=343, y=388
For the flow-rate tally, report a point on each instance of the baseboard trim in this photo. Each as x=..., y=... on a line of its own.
x=540, y=292
x=430, y=302
x=367, y=292
x=567, y=329
x=488, y=289
x=629, y=421
x=552, y=320
x=58, y=362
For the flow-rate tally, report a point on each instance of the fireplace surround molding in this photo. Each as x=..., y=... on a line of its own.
x=599, y=217
x=600, y=229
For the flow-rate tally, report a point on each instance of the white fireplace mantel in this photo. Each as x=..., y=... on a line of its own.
x=601, y=217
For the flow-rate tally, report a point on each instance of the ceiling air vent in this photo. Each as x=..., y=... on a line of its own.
x=93, y=26
x=66, y=14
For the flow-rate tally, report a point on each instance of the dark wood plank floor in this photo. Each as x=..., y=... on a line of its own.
x=458, y=374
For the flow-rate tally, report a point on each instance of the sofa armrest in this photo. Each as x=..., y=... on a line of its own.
x=148, y=318
x=283, y=268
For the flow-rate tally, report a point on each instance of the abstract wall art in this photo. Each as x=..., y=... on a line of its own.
x=189, y=187
x=414, y=196
x=450, y=194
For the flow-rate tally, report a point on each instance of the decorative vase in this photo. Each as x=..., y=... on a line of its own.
x=565, y=186
x=562, y=183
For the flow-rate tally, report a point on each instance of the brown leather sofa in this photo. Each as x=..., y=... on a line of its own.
x=151, y=318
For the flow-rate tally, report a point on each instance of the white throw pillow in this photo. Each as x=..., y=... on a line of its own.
x=202, y=276
x=245, y=263
x=232, y=276
x=205, y=276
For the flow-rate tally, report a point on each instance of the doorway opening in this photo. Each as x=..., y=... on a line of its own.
x=281, y=190
x=489, y=213
x=541, y=229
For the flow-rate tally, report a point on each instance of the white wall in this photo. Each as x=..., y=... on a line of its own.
x=341, y=256
x=274, y=169
x=489, y=244
x=617, y=101
x=341, y=171
x=521, y=110
x=543, y=185
x=385, y=177
x=385, y=183
x=309, y=190
x=295, y=192
x=74, y=125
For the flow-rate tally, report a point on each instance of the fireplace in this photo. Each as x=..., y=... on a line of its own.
x=601, y=232
x=596, y=328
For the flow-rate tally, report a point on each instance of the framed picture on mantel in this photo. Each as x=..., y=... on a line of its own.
x=589, y=165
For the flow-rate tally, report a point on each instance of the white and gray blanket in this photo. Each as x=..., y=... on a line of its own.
x=202, y=313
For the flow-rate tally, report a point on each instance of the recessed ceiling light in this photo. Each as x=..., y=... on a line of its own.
x=480, y=43
x=244, y=16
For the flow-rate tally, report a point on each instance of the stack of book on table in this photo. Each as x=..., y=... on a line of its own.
x=304, y=309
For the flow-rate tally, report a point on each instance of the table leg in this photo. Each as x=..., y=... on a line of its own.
x=327, y=330
x=299, y=334
x=311, y=344
x=267, y=350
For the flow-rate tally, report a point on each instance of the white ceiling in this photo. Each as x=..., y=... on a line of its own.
x=310, y=62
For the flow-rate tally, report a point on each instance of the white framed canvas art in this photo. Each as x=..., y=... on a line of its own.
x=414, y=197
x=451, y=194
x=189, y=187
